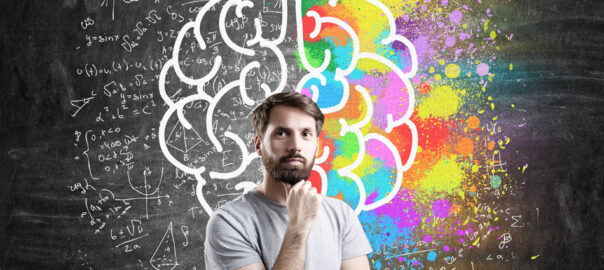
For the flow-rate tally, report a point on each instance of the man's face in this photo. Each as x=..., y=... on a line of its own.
x=289, y=145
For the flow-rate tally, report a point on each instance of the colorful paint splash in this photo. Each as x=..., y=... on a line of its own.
x=411, y=139
x=444, y=207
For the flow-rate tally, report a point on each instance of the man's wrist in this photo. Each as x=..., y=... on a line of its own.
x=298, y=232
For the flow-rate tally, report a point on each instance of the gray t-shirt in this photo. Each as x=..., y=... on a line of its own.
x=251, y=228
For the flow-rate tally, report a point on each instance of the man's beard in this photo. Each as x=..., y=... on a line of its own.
x=290, y=174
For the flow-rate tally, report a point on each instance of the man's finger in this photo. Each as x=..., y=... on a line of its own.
x=298, y=185
x=306, y=186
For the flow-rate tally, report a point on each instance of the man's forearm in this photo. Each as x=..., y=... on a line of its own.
x=293, y=250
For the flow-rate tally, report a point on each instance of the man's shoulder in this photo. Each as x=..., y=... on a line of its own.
x=242, y=205
x=338, y=207
x=335, y=202
x=236, y=214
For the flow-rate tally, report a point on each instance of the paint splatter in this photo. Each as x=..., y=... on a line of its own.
x=443, y=102
x=447, y=137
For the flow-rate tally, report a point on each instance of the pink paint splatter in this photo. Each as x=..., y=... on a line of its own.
x=455, y=16
x=402, y=209
x=463, y=36
x=482, y=69
x=440, y=208
x=427, y=238
x=450, y=41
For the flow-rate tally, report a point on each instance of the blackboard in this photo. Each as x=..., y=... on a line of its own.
x=115, y=148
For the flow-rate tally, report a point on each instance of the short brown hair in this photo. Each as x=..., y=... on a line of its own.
x=261, y=113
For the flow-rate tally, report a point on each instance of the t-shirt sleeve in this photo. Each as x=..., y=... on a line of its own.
x=355, y=242
x=227, y=244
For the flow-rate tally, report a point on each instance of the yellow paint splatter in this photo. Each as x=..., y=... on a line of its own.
x=446, y=175
x=437, y=77
x=341, y=162
x=397, y=7
x=452, y=71
x=476, y=242
x=535, y=257
x=511, y=66
x=493, y=34
x=442, y=102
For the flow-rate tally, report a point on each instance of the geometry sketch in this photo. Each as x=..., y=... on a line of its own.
x=164, y=256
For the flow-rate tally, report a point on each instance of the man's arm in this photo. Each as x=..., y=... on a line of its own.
x=356, y=263
x=253, y=266
x=292, y=254
x=303, y=205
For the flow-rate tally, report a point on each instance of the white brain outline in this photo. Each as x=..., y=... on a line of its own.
x=237, y=84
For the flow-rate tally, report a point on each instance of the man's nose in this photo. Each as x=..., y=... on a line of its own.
x=295, y=144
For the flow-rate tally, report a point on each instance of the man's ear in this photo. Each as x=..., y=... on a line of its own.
x=257, y=143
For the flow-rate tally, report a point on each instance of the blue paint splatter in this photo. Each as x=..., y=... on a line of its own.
x=495, y=181
x=431, y=256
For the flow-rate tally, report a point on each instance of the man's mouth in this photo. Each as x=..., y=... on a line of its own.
x=296, y=160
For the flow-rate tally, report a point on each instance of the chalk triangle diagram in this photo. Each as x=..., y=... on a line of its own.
x=183, y=139
x=79, y=104
x=164, y=256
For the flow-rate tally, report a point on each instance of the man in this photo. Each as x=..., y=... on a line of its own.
x=284, y=223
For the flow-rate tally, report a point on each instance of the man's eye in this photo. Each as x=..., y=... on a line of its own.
x=281, y=133
x=307, y=134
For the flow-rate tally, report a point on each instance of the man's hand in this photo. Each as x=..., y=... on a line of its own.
x=303, y=205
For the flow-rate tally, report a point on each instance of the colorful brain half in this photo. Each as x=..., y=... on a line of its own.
x=359, y=75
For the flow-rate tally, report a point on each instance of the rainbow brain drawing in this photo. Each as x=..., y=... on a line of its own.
x=410, y=140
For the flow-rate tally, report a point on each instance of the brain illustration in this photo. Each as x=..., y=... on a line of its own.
x=349, y=60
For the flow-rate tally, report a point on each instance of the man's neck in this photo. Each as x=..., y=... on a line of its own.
x=272, y=190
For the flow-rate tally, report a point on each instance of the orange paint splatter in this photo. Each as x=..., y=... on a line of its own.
x=465, y=146
x=455, y=208
x=473, y=122
x=491, y=145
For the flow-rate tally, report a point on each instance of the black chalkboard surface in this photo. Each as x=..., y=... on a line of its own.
x=85, y=183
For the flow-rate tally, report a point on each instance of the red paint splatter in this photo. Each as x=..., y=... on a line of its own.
x=308, y=24
x=424, y=88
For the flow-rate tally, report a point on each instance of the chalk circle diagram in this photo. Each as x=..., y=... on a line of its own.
x=360, y=119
